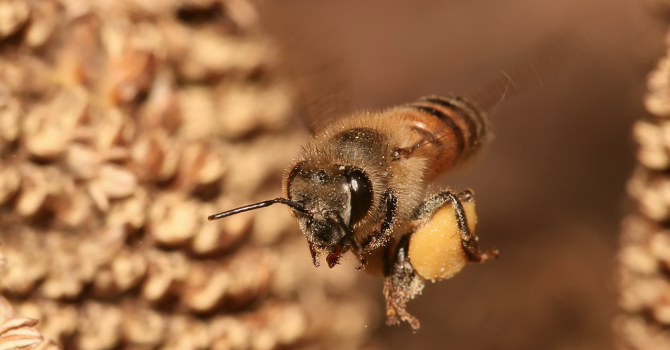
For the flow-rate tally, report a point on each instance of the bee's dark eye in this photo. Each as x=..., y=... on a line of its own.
x=361, y=194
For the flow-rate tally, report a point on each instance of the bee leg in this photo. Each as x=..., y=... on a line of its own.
x=381, y=237
x=466, y=196
x=405, y=152
x=361, y=255
x=469, y=241
x=401, y=285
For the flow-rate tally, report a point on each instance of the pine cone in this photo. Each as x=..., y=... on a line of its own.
x=123, y=124
x=644, y=258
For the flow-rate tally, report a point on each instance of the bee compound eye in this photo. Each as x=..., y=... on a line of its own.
x=361, y=193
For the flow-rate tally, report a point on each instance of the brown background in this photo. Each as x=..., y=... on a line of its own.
x=550, y=187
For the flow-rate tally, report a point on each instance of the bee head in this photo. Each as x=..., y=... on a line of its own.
x=327, y=201
x=334, y=198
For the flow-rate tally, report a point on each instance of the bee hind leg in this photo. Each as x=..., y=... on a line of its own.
x=401, y=285
x=469, y=240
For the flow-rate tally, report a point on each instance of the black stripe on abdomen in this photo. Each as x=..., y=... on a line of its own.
x=472, y=118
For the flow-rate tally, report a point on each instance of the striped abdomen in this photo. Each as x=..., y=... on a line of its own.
x=447, y=130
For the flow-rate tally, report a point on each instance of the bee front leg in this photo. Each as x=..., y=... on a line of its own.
x=380, y=237
x=401, y=285
x=469, y=241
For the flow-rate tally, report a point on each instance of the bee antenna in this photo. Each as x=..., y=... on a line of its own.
x=258, y=205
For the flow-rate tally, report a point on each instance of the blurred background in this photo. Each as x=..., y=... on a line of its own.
x=123, y=124
x=550, y=185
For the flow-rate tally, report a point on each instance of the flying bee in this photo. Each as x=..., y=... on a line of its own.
x=361, y=181
x=360, y=185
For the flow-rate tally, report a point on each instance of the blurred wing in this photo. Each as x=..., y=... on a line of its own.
x=319, y=79
x=533, y=71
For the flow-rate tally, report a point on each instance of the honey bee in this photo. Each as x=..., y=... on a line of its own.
x=361, y=181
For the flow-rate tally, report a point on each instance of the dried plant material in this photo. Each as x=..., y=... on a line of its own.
x=166, y=273
x=75, y=210
x=161, y=111
x=658, y=83
x=186, y=333
x=173, y=219
x=157, y=8
x=652, y=152
x=198, y=102
x=82, y=161
x=48, y=129
x=78, y=265
x=148, y=154
x=652, y=191
x=224, y=234
x=45, y=137
x=99, y=248
x=6, y=310
x=170, y=162
x=245, y=109
x=289, y=323
x=644, y=256
x=645, y=291
x=65, y=279
x=19, y=333
x=110, y=128
x=48, y=345
x=213, y=55
x=130, y=74
x=200, y=164
x=13, y=15
x=242, y=13
x=10, y=115
x=142, y=326
x=130, y=212
x=76, y=9
x=128, y=269
x=115, y=181
x=43, y=21
x=229, y=333
x=235, y=284
x=659, y=245
x=99, y=327
x=35, y=189
x=252, y=275
x=276, y=325
x=114, y=155
x=206, y=287
x=98, y=196
x=638, y=261
x=213, y=165
x=10, y=181
x=208, y=240
x=27, y=263
x=26, y=74
x=176, y=38
x=57, y=321
x=16, y=332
